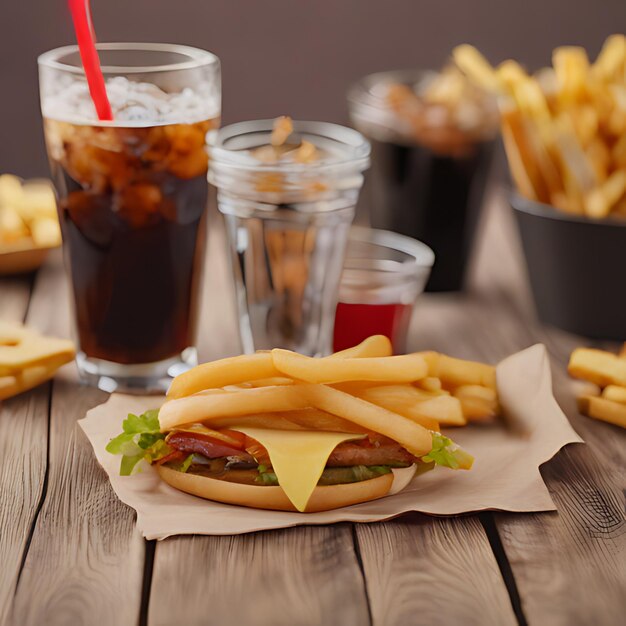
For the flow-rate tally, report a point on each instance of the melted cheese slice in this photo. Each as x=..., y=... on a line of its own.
x=298, y=457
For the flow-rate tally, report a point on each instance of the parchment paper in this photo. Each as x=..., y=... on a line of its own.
x=505, y=475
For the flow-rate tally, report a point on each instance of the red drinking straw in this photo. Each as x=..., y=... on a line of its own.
x=89, y=56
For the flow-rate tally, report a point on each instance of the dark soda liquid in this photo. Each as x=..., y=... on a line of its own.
x=431, y=196
x=356, y=322
x=132, y=206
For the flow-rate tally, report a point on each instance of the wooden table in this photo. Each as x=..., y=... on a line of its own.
x=71, y=554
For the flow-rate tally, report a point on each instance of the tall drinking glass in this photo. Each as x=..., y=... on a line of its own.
x=132, y=199
x=287, y=224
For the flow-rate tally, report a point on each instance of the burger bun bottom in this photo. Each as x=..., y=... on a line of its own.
x=323, y=498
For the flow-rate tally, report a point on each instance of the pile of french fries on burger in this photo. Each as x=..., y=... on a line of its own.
x=606, y=399
x=564, y=127
x=429, y=388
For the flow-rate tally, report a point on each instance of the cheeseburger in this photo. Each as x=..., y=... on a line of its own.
x=276, y=430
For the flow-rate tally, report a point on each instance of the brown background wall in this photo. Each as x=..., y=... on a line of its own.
x=287, y=56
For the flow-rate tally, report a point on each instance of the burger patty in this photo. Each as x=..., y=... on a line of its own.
x=373, y=450
x=219, y=469
x=360, y=453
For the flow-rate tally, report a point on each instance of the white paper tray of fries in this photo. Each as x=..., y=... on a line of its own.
x=505, y=475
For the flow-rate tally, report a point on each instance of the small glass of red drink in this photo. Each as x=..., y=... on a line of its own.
x=382, y=276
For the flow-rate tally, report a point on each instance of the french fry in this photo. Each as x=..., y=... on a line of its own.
x=617, y=122
x=219, y=403
x=430, y=383
x=28, y=217
x=618, y=153
x=45, y=231
x=478, y=391
x=316, y=419
x=620, y=208
x=306, y=153
x=564, y=129
x=541, y=144
x=302, y=419
x=445, y=88
x=12, y=226
x=546, y=79
x=597, y=366
x=474, y=64
x=603, y=409
x=600, y=200
x=560, y=200
x=415, y=438
x=518, y=151
x=283, y=127
x=230, y=371
x=270, y=382
x=574, y=162
x=571, y=65
x=532, y=101
x=478, y=403
x=622, y=351
x=258, y=420
x=447, y=410
x=477, y=409
x=22, y=348
x=28, y=378
x=374, y=346
x=10, y=189
x=600, y=156
x=511, y=74
x=611, y=60
x=37, y=200
x=405, y=368
x=455, y=372
x=407, y=401
x=615, y=393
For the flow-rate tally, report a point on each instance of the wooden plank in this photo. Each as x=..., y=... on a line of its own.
x=293, y=576
x=305, y=576
x=427, y=570
x=14, y=297
x=422, y=570
x=181, y=563
x=23, y=442
x=568, y=567
x=86, y=559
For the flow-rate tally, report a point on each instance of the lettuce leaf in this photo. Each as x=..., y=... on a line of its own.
x=446, y=453
x=128, y=463
x=147, y=422
x=184, y=466
x=140, y=438
x=266, y=476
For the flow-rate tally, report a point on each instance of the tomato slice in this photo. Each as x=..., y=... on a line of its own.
x=172, y=456
x=258, y=451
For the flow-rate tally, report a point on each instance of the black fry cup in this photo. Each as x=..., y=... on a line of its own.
x=427, y=183
x=576, y=269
